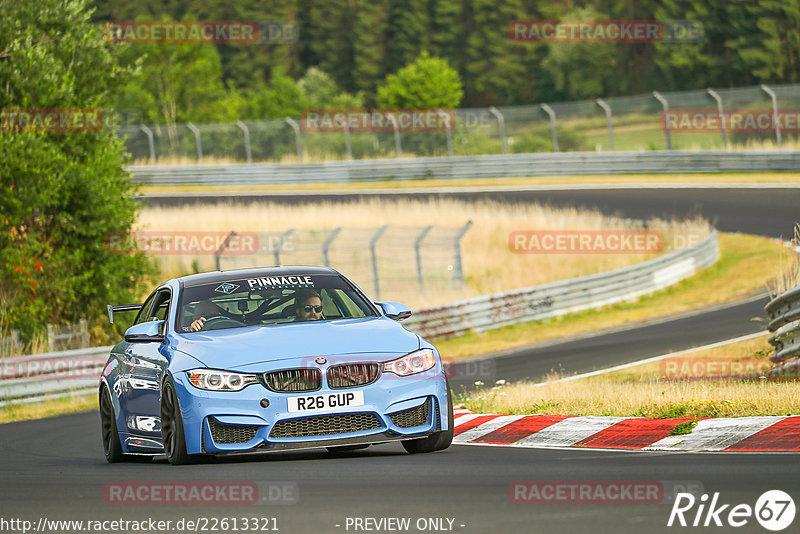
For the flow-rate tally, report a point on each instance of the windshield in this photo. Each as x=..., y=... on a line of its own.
x=268, y=300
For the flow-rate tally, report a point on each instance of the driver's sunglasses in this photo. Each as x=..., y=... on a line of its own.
x=317, y=309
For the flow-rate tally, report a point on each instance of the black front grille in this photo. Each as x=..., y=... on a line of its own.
x=351, y=375
x=293, y=380
x=325, y=425
x=221, y=433
x=413, y=416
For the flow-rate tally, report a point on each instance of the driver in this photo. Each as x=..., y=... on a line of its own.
x=308, y=305
x=202, y=313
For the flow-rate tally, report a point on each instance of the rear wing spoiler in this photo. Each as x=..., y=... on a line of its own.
x=121, y=307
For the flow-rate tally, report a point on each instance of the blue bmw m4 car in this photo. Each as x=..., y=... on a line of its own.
x=269, y=359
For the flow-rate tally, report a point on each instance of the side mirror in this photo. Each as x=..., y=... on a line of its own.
x=145, y=332
x=395, y=310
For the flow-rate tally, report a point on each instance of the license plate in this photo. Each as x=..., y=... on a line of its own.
x=326, y=401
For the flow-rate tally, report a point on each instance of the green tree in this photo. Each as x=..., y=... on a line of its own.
x=175, y=83
x=581, y=70
x=63, y=193
x=321, y=92
x=427, y=83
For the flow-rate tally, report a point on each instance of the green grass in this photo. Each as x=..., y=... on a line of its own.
x=684, y=428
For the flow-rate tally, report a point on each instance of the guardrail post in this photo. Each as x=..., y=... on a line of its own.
x=326, y=245
x=283, y=239
x=218, y=253
x=242, y=126
x=196, y=132
x=397, y=147
x=501, y=127
x=716, y=97
x=458, y=269
x=150, y=144
x=374, y=256
x=603, y=104
x=774, y=99
x=665, y=105
x=418, y=256
x=297, y=140
x=552, y=114
x=449, y=131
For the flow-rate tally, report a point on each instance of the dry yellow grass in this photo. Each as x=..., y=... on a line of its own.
x=645, y=390
x=22, y=412
x=489, y=265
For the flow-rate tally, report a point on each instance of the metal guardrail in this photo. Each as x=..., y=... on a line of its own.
x=784, y=312
x=567, y=296
x=75, y=372
x=51, y=375
x=490, y=166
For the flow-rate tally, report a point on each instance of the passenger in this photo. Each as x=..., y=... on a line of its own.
x=308, y=305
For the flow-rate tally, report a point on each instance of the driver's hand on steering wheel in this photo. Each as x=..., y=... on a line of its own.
x=197, y=324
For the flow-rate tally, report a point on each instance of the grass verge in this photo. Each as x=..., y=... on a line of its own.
x=690, y=385
x=39, y=410
x=738, y=273
x=672, y=179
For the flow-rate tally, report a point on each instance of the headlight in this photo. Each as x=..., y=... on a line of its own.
x=214, y=380
x=415, y=362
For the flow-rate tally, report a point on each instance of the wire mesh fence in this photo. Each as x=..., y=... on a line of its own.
x=617, y=123
x=386, y=259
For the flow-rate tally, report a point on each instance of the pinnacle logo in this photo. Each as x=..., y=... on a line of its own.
x=227, y=288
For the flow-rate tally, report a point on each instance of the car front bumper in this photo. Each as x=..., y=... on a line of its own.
x=231, y=422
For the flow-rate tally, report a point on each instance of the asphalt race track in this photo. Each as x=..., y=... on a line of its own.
x=54, y=468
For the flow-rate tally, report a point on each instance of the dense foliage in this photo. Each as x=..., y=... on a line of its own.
x=61, y=192
x=359, y=43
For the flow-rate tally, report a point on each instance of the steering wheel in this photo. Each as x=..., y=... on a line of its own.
x=221, y=322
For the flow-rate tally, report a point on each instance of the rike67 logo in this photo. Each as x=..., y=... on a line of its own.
x=774, y=510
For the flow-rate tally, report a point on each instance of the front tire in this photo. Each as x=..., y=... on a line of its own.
x=112, y=447
x=437, y=441
x=172, y=433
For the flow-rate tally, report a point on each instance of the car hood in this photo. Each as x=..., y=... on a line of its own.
x=238, y=348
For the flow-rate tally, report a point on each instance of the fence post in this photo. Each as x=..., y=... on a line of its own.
x=85, y=343
x=501, y=127
x=449, y=131
x=51, y=337
x=716, y=97
x=298, y=141
x=418, y=256
x=552, y=114
x=221, y=249
x=397, y=147
x=326, y=245
x=372, y=243
x=665, y=105
x=458, y=268
x=283, y=239
x=774, y=99
x=150, y=144
x=196, y=133
x=242, y=126
x=603, y=104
